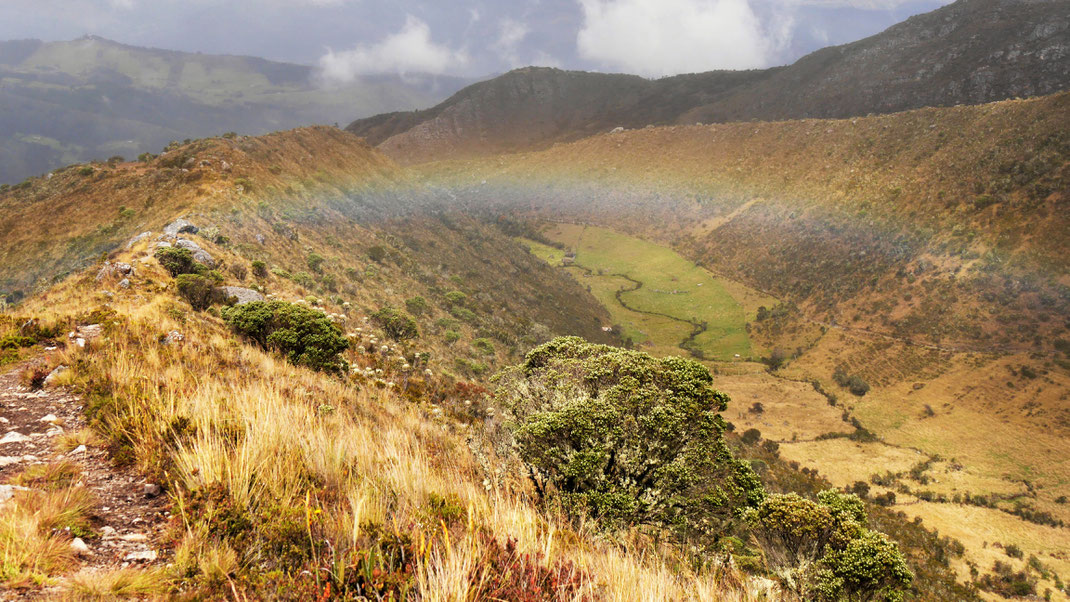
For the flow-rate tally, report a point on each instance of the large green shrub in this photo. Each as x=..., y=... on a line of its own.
x=195, y=289
x=822, y=549
x=305, y=336
x=178, y=261
x=626, y=437
x=397, y=325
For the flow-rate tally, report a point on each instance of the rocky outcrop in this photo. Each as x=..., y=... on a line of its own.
x=199, y=254
x=180, y=226
x=237, y=294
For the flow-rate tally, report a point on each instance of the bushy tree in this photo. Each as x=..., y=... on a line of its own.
x=306, y=337
x=397, y=325
x=626, y=437
x=195, y=289
x=178, y=261
x=822, y=549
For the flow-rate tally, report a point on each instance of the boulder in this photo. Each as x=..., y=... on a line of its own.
x=180, y=226
x=117, y=269
x=140, y=237
x=173, y=337
x=199, y=254
x=242, y=295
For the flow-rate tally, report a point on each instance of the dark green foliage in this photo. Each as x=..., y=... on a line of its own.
x=195, y=289
x=178, y=261
x=456, y=298
x=626, y=437
x=416, y=305
x=14, y=340
x=852, y=382
x=305, y=336
x=315, y=261
x=397, y=325
x=751, y=436
x=1013, y=551
x=259, y=269
x=377, y=253
x=484, y=346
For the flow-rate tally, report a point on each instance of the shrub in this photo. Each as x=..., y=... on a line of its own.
x=195, y=289
x=416, y=305
x=483, y=346
x=870, y=567
x=259, y=269
x=397, y=325
x=178, y=261
x=238, y=270
x=451, y=336
x=377, y=253
x=456, y=298
x=14, y=340
x=305, y=336
x=626, y=437
x=315, y=261
x=751, y=436
x=857, y=386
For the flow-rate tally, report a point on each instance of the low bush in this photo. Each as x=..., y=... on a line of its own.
x=178, y=261
x=397, y=325
x=195, y=289
x=305, y=336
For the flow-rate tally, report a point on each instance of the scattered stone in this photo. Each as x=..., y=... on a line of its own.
x=9, y=460
x=110, y=269
x=242, y=295
x=260, y=239
x=140, y=237
x=80, y=342
x=141, y=556
x=199, y=254
x=8, y=491
x=81, y=449
x=124, y=283
x=162, y=244
x=135, y=537
x=13, y=437
x=107, y=532
x=152, y=490
x=51, y=419
x=54, y=374
x=91, y=331
x=180, y=226
x=78, y=547
x=173, y=337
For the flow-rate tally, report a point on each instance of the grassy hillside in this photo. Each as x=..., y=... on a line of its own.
x=283, y=481
x=91, y=98
x=921, y=254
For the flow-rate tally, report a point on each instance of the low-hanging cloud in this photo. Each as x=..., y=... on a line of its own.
x=664, y=37
x=410, y=50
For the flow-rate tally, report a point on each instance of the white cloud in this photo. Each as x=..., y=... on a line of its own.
x=510, y=34
x=663, y=37
x=410, y=50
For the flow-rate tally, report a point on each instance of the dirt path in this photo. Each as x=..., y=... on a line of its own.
x=129, y=515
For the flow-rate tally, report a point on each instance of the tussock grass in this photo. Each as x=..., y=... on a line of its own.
x=31, y=552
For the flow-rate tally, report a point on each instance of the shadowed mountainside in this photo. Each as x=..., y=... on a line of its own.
x=969, y=52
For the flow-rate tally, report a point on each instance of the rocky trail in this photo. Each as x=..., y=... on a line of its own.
x=129, y=515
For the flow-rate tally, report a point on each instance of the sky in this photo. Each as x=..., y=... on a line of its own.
x=472, y=38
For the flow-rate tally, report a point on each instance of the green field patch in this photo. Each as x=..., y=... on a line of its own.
x=678, y=305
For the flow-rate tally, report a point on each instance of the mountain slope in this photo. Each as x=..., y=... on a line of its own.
x=91, y=98
x=971, y=51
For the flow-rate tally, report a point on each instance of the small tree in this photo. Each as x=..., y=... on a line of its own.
x=397, y=325
x=626, y=437
x=196, y=289
x=178, y=261
x=305, y=336
x=869, y=567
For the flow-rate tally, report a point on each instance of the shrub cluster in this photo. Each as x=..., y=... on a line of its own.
x=626, y=437
x=397, y=325
x=305, y=336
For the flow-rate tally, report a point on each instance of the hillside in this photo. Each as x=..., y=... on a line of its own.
x=969, y=52
x=276, y=473
x=91, y=98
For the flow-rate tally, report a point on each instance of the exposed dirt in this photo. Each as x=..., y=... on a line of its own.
x=130, y=515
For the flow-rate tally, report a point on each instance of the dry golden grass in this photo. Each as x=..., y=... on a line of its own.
x=32, y=553
x=258, y=432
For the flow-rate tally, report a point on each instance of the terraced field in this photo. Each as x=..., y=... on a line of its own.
x=660, y=299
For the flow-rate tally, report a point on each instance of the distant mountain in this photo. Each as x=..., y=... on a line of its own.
x=969, y=52
x=66, y=102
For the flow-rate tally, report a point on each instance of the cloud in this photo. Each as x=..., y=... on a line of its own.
x=510, y=34
x=410, y=50
x=664, y=37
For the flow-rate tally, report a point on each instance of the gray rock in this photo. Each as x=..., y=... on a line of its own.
x=8, y=491
x=79, y=547
x=54, y=374
x=92, y=331
x=243, y=295
x=124, y=283
x=140, y=237
x=180, y=226
x=199, y=254
x=13, y=437
x=152, y=490
x=141, y=556
x=173, y=337
x=162, y=244
x=261, y=239
x=117, y=269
